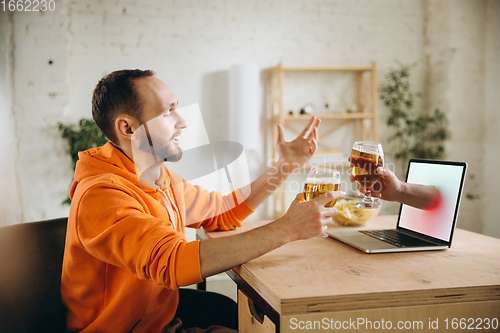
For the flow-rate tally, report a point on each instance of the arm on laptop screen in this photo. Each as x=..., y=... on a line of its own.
x=390, y=188
x=437, y=221
x=430, y=196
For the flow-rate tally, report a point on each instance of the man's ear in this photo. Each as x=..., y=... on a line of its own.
x=125, y=126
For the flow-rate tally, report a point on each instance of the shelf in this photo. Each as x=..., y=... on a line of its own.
x=363, y=123
x=327, y=69
x=308, y=166
x=335, y=152
x=328, y=157
x=353, y=115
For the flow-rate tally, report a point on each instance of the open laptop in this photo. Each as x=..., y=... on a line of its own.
x=417, y=229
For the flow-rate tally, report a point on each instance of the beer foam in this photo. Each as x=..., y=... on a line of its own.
x=322, y=181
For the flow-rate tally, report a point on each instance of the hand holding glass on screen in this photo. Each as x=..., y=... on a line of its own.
x=320, y=181
x=366, y=157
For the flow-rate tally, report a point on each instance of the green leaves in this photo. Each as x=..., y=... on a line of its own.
x=81, y=137
x=85, y=135
x=417, y=135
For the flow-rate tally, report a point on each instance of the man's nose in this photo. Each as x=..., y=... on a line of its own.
x=180, y=121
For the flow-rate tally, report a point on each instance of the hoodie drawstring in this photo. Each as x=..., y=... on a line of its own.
x=168, y=201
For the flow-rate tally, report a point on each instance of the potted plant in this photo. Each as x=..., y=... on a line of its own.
x=417, y=134
x=82, y=136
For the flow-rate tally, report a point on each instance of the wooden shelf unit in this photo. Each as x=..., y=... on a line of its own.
x=366, y=110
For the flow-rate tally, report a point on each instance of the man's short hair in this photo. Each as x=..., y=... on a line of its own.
x=117, y=94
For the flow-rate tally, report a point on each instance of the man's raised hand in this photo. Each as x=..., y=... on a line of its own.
x=295, y=153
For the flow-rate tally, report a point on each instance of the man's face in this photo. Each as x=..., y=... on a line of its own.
x=162, y=124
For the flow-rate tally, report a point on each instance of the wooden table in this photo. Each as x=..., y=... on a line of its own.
x=323, y=284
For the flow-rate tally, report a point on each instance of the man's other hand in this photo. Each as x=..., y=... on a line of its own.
x=308, y=219
x=388, y=187
x=295, y=153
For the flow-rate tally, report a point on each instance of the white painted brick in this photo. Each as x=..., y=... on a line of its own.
x=491, y=190
x=191, y=43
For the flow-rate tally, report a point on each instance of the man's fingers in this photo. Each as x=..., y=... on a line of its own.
x=298, y=198
x=314, y=146
x=327, y=197
x=385, y=172
x=310, y=136
x=313, y=133
x=308, y=127
x=352, y=179
x=329, y=212
x=281, y=133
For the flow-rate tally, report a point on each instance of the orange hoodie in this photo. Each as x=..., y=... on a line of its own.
x=124, y=260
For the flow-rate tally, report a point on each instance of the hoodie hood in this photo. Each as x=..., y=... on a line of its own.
x=110, y=160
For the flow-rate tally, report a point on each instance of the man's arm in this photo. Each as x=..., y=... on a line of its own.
x=267, y=183
x=302, y=220
x=392, y=189
x=292, y=155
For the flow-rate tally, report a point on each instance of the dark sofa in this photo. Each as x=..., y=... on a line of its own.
x=31, y=257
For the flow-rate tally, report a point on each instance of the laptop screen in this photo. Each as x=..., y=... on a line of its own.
x=437, y=222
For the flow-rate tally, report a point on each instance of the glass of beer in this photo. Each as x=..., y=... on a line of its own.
x=320, y=181
x=366, y=157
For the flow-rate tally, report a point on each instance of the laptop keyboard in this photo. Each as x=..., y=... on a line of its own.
x=396, y=238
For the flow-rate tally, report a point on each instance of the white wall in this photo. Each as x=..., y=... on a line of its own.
x=40, y=98
x=192, y=44
x=10, y=201
x=490, y=187
x=456, y=84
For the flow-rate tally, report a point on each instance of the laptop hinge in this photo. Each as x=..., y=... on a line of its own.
x=422, y=237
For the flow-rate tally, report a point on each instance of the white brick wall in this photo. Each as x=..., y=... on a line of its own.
x=490, y=187
x=192, y=44
x=10, y=200
x=455, y=64
x=466, y=101
x=41, y=93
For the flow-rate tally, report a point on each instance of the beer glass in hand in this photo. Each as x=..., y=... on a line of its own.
x=320, y=181
x=366, y=157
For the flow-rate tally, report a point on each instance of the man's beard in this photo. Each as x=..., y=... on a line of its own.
x=168, y=152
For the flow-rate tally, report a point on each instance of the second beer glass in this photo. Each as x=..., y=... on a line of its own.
x=320, y=181
x=366, y=157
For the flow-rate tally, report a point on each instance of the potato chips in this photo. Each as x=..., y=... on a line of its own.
x=348, y=215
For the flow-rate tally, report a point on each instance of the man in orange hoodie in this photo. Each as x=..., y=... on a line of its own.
x=126, y=254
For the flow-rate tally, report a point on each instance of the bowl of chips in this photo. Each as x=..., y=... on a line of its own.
x=349, y=215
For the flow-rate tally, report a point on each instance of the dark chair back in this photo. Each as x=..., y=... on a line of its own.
x=31, y=257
